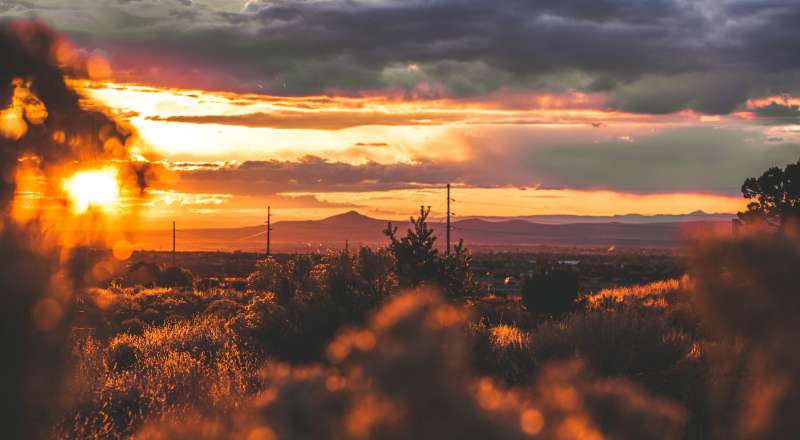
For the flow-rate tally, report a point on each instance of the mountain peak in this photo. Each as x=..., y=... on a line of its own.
x=348, y=216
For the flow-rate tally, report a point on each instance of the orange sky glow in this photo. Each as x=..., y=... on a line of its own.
x=187, y=129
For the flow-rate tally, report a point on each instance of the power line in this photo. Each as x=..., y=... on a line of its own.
x=247, y=237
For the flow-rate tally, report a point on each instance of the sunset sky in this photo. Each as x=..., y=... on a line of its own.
x=315, y=107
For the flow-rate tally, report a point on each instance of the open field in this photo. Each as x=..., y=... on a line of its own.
x=317, y=345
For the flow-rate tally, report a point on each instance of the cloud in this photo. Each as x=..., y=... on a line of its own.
x=651, y=57
x=709, y=93
x=692, y=159
x=684, y=159
x=312, y=173
x=778, y=113
x=317, y=120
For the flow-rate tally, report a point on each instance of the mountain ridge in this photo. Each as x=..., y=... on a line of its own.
x=359, y=229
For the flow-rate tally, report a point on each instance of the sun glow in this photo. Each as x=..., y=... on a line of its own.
x=97, y=189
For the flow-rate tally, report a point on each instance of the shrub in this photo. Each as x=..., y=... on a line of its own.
x=208, y=284
x=261, y=326
x=142, y=273
x=406, y=376
x=316, y=301
x=339, y=277
x=223, y=308
x=496, y=310
x=746, y=289
x=122, y=353
x=627, y=341
x=503, y=352
x=553, y=293
x=132, y=326
x=267, y=275
x=673, y=299
x=167, y=372
x=151, y=316
x=297, y=331
x=176, y=277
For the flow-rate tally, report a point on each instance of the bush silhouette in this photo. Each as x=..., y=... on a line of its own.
x=553, y=293
x=317, y=299
x=142, y=273
x=176, y=277
x=122, y=353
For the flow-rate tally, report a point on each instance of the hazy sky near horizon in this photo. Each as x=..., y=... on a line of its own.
x=547, y=107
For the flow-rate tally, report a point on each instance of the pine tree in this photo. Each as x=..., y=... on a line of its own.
x=416, y=257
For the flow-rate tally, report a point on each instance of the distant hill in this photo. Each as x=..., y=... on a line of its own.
x=359, y=229
x=696, y=216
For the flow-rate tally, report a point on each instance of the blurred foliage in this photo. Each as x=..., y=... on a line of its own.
x=406, y=375
x=328, y=346
x=747, y=290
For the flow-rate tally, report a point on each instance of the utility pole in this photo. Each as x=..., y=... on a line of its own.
x=448, y=220
x=173, y=243
x=269, y=226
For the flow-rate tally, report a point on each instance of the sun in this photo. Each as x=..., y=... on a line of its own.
x=93, y=189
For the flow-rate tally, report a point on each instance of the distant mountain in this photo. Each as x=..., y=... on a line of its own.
x=696, y=216
x=357, y=229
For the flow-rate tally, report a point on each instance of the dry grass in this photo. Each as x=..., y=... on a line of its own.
x=166, y=372
x=655, y=293
x=204, y=364
x=407, y=375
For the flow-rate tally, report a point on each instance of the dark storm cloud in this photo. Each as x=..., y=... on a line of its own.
x=710, y=93
x=313, y=173
x=639, y=51
x=779, y=113
x=697, y=159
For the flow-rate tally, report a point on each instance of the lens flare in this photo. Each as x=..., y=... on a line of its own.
x=98, y=189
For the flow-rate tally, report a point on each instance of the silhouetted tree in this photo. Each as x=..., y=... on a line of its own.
x=459, y=281
x=552, y=293
x=775, y=195
x=416, y=257
x=417, y=261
